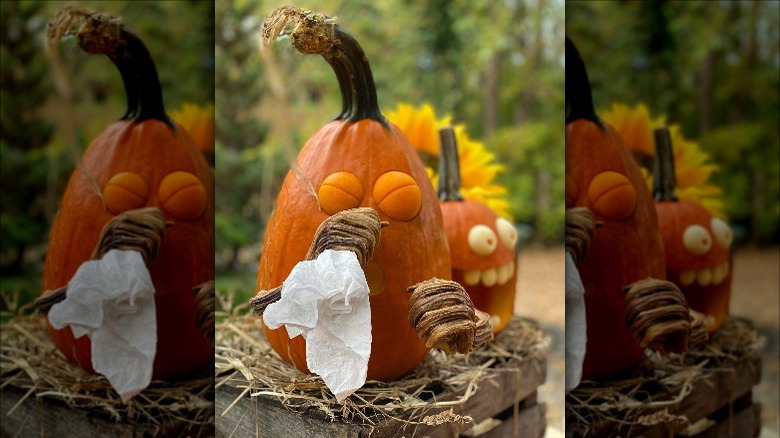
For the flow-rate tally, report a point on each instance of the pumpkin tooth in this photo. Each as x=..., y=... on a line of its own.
x=503, y=274
x=704, y=277
x=718, y=274
x=489, y=277
x=472, y=277
x=687, y=277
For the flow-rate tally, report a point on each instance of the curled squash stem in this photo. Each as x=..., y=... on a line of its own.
x=318, y=34
x=579, y=98
x=101, y=33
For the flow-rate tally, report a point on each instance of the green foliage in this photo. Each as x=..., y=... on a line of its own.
x=711, y=67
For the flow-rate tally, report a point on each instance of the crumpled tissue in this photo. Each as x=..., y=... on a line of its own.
x=326, y=301
x=576, y=334
x=111, y=300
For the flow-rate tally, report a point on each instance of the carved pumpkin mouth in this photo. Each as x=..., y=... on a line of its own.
x=705, y=276
x=491, y=276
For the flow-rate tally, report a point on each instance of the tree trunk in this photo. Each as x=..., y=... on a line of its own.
x=492, y=81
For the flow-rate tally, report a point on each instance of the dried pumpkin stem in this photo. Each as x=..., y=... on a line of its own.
x=699, y=333
x=204, y=309
x=357, y=230
x=449, y=166
x=580, y=229
x=579, y=97
x=141, y=230
x=318, y=34
x=444, y=317
x=658, y=315
x=100, y=33
x=663, y=166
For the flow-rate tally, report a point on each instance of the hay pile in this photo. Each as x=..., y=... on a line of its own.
x=245, y=360
x=31, y=366
x=651, y=394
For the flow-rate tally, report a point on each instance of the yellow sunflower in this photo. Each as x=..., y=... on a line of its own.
x=199, y=122
x=477, y=165
x=691, y=163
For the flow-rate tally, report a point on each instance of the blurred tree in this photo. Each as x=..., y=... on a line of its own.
x=24, y=133
x=712, y=68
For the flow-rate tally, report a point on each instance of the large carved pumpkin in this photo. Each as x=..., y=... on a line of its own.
x=141, y=160
x=602, y=176
x=482, y=245
x=696, y=243
x=359, y=159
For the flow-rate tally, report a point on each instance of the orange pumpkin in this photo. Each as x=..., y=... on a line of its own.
x=359, y=159
x=696, y=243
x=482, y=245
x=602, y=176
x=139, y=161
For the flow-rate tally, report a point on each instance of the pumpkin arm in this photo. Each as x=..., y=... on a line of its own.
x=664, y=179
x=449, y=166
x=579, y=99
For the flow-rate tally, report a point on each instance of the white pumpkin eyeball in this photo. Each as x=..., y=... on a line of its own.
x=697, y=240
x=507, y=233
x=722, y=232
x=482, y=240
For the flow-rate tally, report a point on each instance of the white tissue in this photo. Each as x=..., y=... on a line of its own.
x=576, y=335
x=326, y=302
x=111, y=300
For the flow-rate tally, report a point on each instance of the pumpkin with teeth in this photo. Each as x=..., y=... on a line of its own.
x=482, y=245
x=141, y=160
x=357, y=160
x=696, y=243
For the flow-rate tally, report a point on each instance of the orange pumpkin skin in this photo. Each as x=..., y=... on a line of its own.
x=151, y=149
x=408, y=252
x=624, y=249
x=498, y=299
x=711, y=294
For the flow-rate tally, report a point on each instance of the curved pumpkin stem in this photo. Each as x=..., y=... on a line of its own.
x=100, y=33
x=449, y=166
x=318, y=34
x=579, y=98
x=664, y=179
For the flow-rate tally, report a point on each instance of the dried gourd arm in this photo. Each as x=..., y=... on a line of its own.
x=445, y=319
x=580, y=228
x=357, y=230
x=658, y=315
x=204, y=308
x=141, y=230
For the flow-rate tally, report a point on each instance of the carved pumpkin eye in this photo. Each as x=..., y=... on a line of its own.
x=182, y=195
x=482, y=240
x=398, y=195
x=697, y=240
x=507, y=233
x=612, y=195
x=340, y=191
x=722, y=232
x=125, y=191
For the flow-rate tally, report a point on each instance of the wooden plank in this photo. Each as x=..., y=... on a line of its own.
x=43, y=417
x=528, y=423
x=745, y=423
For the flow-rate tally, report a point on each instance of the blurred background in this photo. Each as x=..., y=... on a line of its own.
x=48, y=120
x=712, y=69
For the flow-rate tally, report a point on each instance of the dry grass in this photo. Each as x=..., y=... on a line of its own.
x=660, y=383
x=245, y=360
x=31, y=365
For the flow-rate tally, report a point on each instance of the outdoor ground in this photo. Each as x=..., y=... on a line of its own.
x=756, y=295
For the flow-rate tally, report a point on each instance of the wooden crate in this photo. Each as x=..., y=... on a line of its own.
x=504, y=404
x=710, y=398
